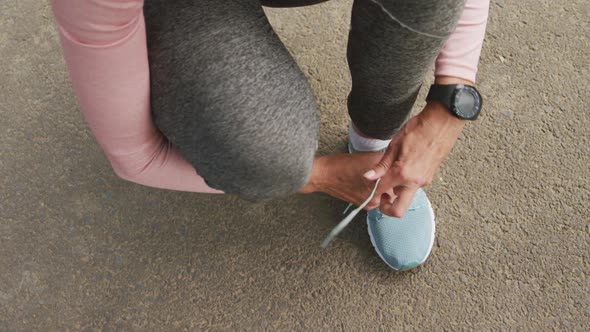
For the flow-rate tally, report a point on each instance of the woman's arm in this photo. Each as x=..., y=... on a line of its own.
x=460, y=54
x=105, y=50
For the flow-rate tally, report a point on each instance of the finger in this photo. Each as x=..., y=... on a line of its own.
x=384, y=164
x=401, y=204
x=386, y=202
x=390, y=181
x=381, y=197
x=388, y=196
x=385, y=206
x=375, y=202
x=372, y=205
x=392, y=197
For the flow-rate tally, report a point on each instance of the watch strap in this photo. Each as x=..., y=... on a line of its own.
x=442, y=93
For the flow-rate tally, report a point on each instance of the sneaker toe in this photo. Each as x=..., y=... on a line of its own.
x=403, y=243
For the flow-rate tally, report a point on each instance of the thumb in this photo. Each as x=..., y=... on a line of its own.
x=384, y=165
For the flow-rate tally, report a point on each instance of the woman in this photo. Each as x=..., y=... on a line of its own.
x=231, y=111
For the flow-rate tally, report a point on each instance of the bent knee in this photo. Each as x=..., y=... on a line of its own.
x=267, y=168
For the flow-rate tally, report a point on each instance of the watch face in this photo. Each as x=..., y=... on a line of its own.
x=467, y=102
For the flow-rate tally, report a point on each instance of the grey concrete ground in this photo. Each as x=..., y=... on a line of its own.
x=82, y=250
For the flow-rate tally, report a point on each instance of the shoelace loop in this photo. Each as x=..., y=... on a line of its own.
x=342, y=224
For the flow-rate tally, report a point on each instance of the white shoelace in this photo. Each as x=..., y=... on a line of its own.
x=342, y=225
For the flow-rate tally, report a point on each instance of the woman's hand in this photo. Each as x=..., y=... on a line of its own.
x=409, y=163
x=414, y=155
x=341, y=176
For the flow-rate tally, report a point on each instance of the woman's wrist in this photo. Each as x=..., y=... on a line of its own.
x=314, y=184
x=437, y=114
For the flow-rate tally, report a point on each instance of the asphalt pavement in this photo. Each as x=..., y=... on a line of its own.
x=81, y=249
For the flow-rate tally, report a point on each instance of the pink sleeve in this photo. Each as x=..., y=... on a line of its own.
x=105, y=50
x=460, y=54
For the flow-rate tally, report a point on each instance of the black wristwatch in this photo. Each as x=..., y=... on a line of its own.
x=463, y=101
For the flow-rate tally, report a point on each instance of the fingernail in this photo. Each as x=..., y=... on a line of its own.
x=370, y=174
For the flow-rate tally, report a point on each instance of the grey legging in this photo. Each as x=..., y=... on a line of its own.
x=228, y=94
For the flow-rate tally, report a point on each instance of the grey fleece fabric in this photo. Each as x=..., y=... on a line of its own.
x=229, y=96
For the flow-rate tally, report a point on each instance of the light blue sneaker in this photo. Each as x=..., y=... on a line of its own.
x=403, y=243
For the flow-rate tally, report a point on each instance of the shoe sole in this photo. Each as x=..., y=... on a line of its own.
x=433, y=221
